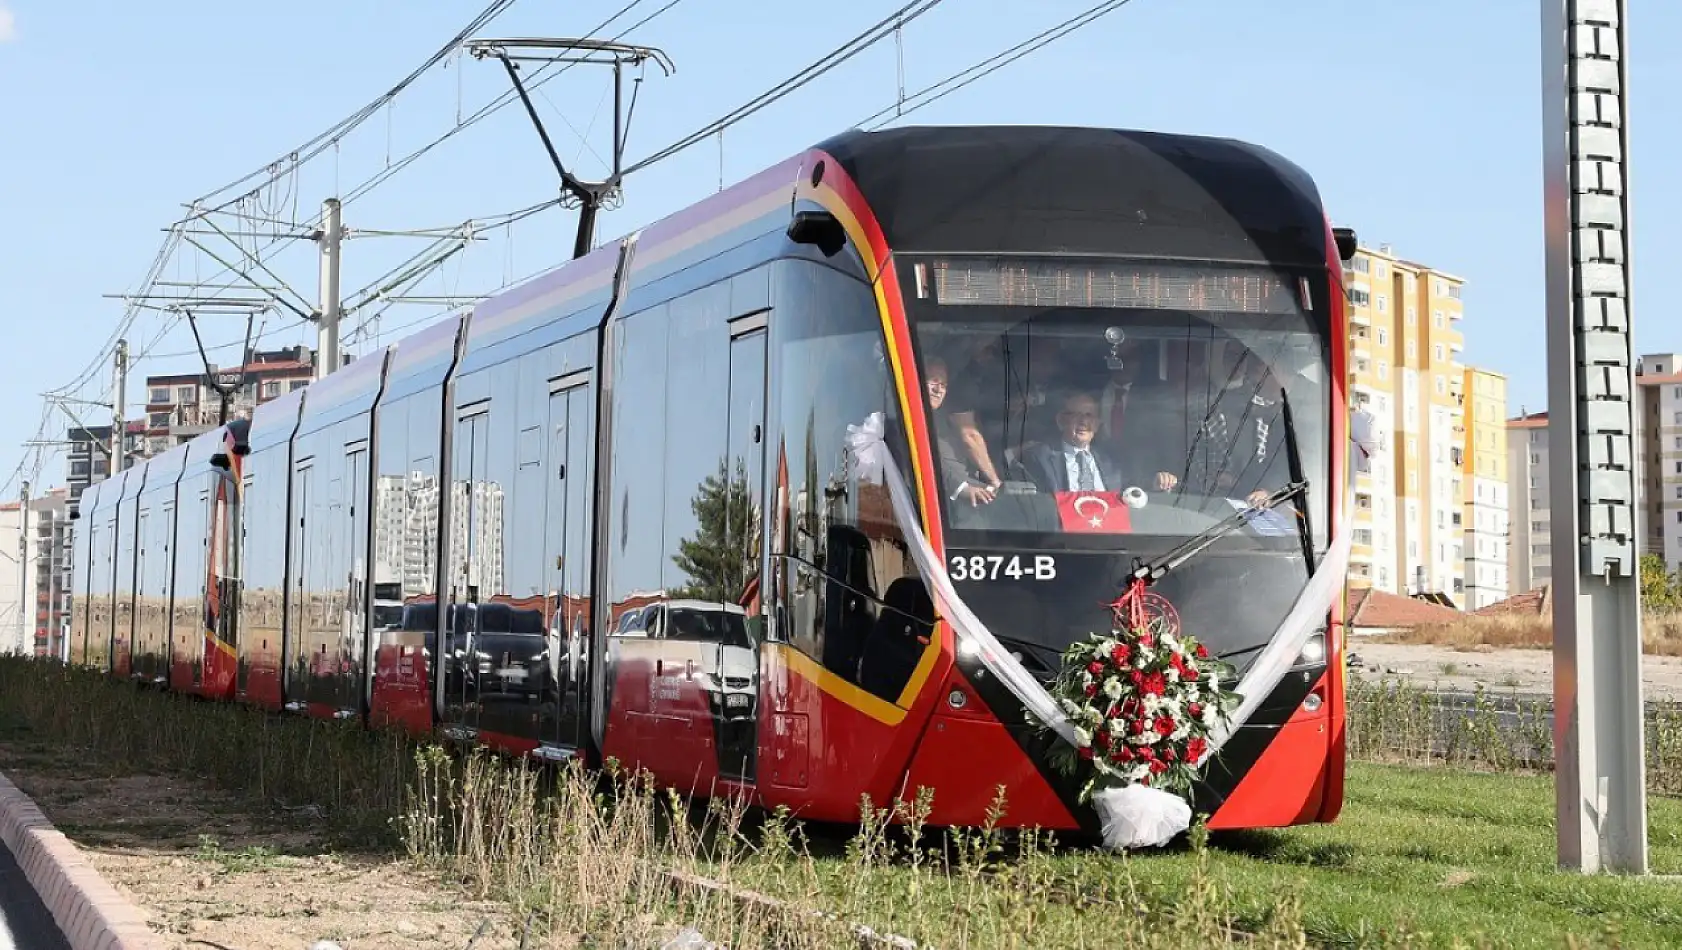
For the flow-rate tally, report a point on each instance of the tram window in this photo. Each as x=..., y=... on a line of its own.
x=842, y=545
x=638, y=479
x=698, y=493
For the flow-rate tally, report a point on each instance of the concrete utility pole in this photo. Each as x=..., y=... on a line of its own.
x=330, y=238
x=119, y=409
x=23, y=644
x=1601, y=794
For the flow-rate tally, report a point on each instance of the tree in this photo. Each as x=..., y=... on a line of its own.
x=1660, y=590
x=719, y=559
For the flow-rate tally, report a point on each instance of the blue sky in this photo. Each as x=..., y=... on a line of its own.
x=1420, y=120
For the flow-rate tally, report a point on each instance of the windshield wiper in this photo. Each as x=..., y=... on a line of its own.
x=1293, y=458
x=1150, y=571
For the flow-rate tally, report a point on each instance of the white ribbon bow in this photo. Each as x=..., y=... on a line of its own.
x=1135, y=816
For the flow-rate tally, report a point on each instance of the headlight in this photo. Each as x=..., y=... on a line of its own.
x=1313, y=652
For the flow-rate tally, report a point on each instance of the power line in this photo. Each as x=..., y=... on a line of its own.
x=992, y=64
x=336, y=133
x=881, y=30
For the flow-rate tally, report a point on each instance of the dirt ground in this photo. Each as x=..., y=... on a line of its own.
x=1526, y=672
x=209, y=871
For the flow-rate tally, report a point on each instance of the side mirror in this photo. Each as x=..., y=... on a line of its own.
x=820, y=229
x=1346, y=243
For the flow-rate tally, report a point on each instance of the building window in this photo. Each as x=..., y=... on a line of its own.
x=1438, y=317
x=1678, y=419
x=1413, y=446
x=271, y=389
x=1383, y=304
x=1679, y=491
x=1442, y=386
x=1362, y=364
x=1383, y=369
x=1359, y=297
x=1440, y=352
x=298, y=384
x=187, y=394
x=159, y=396
x=1454, y=292
x=1383, y=336
x=1363, y=537
x=1413, y=549
x=1359, y=265
x=1364, y=502
x=1412, y=349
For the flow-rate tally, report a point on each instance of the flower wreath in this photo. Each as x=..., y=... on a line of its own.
x=1143, y=701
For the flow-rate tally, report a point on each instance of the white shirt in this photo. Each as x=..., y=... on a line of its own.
x=1071, y=462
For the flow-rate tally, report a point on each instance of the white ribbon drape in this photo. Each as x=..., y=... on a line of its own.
x=1136, y=816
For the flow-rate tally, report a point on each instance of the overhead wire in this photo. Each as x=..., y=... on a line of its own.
x=886, y=27
x=940, y=90
x=336, y=133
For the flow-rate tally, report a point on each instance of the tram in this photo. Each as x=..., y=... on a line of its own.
x=615, y=513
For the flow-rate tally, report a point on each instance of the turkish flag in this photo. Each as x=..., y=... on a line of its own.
x=1093, y=512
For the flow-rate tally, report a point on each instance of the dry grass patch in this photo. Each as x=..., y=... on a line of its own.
x=1661, y=633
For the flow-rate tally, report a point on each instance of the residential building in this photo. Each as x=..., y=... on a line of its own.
x=1405, y=370
x=1529, y=545
x=50, y=524
x=181, y=406
x=1658, y=489
x=17, y=581
x=1658, y=379
x=89, y=456
x=1484, y=477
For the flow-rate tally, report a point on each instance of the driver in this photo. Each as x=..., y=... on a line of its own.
x=1240, y=437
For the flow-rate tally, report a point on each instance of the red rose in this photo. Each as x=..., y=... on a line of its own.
x=1164, y=726
x=1146, y=640
x=1158, y=767
x=1136, y=727
x=1202, y=652
x=1195, y=749
x=1168, y=754
x=1154, y=685
x=1121, y=654
x=1144, y=752
x=1122, y=754
x=1091, y=690
x=1138, y=678
x=1145, y=781
x=1086, y=753
x=1104, y=738
x=1195, y=710
x=1095, y=668
x=1114, y=712
x=1188, y=672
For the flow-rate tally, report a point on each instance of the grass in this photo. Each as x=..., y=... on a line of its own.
x=1661, y=633
x=1425, y=854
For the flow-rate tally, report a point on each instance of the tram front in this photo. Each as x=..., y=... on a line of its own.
x=1118, y=353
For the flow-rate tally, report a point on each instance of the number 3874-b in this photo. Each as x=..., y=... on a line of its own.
x=979, y=567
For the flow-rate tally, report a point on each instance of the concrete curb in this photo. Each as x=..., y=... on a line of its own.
x=90, y=912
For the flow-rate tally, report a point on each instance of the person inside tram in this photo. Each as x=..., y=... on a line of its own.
x=959, y=483
x=1238, y=444
x=1075, y=464
x=968, y=408
x=1141, y=434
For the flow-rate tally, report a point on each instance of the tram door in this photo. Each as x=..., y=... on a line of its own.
x=736, y=712
x=567, y=560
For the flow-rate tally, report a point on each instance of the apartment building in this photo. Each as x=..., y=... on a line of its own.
x=1658, y=487
x=17, y=580
x=51, y=526
x=1658, y=379
x=181, y=406
x=1488, y=499
x=1405, y=369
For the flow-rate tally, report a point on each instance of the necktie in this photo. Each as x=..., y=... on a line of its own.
x=1083, y=459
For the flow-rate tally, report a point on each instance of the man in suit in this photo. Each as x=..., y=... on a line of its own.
x=1074, y=464
x=959, y=484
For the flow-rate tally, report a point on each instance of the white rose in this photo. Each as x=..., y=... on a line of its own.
x=1082, y=737
x=1112, y=688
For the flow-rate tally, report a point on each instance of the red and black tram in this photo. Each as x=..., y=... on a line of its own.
x=612, y=512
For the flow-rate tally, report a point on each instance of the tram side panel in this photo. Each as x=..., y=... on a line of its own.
x=261, y=609
x=81, y=555
x=127, y=564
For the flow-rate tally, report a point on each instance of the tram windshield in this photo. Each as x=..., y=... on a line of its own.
x=1106, y=405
